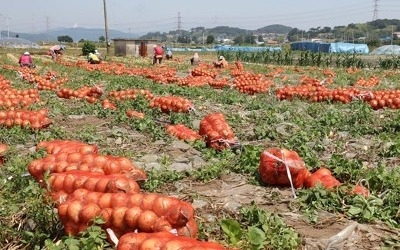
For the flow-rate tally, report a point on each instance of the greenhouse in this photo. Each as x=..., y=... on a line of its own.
x=331, y=47
x=387, y=50
x=14, y=42
x=245, y=48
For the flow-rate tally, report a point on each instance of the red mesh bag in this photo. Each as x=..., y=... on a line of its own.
x=163, y=240
x=273, y=167
x=323, y=176
x=127, y=212
x=217, y=132
x=182, y=132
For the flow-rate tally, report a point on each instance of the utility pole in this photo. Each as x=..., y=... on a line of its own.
x=106, y=25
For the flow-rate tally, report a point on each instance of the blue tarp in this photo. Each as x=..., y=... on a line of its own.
x=331, y=47
x=349, y=48
x=314, y=47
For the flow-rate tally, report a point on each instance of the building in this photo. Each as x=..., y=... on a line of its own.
x=134, y=47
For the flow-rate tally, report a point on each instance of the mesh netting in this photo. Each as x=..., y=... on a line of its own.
x=13, y=42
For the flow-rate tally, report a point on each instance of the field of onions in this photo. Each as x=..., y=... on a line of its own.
x=130, y=155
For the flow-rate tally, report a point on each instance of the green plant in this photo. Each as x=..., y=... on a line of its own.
x=93, y=238
x=88, y=47
x=158, y=177
x=264, y=230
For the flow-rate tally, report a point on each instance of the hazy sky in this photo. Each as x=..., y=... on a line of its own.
x=162, y=15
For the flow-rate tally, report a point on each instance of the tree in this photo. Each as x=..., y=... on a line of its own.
x=238, y=40
x=88, y=47
x=326, y=29
x=260, y=38
x=65, y=39
x=250, y=39
x=294, y=35
x=210, y=39
x=102, y=39
x=183, y=39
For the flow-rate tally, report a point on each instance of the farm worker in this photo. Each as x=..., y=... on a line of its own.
x=98, y=54
x=158, y=54
x=93, y=59
x=221, y=63
x=25, y=60
x=56, y=50
x=195, y=59
x=169, y=54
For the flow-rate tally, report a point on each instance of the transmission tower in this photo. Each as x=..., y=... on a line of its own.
x=47, y=28
x=375, y=16
x=179, y=22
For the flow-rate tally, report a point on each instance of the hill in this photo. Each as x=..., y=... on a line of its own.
x=275, y=28
x=75, y=33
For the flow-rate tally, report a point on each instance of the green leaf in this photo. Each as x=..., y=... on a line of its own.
x=232, y=229
x=354, y=210
x=256, y=236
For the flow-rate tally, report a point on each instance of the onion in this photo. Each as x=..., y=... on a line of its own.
x=146, y=221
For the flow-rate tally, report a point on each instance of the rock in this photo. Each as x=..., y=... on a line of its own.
x=76, y=117
x=175, y=153
x=118, y=130
x=199, y=204
x=180, y=145
x=180, y=186
x=196, y=124
x=150, y=158
x=210, y=218
x=343, y=134
x=159, y=143
x=351, y=155
x=152, y=166
x=180, y=167
x=194, y=152
x=232, y=206
x=139, y=164
x=118, y=141
x=198, y=162
x=181, y=159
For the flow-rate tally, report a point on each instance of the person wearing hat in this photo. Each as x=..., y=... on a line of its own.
x=93, y=59
x=158, y=54
x=25, y=60
x=221, y=63
x=56, y=50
